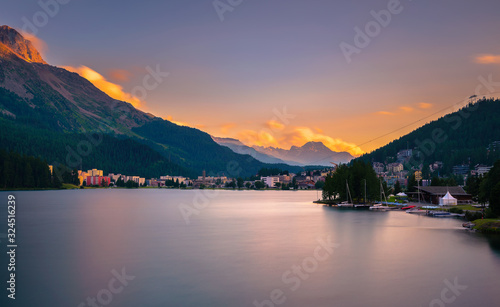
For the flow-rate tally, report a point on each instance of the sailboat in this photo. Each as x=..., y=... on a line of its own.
x=380, y=206
x=417, y=210
x=364, y=205
x=348, y=203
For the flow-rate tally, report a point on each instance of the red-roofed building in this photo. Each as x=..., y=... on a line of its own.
x=97, y=180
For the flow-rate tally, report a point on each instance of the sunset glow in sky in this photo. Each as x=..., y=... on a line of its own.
x=273, y=73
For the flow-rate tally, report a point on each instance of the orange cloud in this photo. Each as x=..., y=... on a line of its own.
x=38, y=43
x=179, y=123
x=275, y=125
x=113, y=90
x=488, y=59
x=171, y=119
x=318, y=130
x=406, y=109
x=425, y=105
x=302, y=135
x=262, y=138
x=385, y=113
x=225, y=128
x=120, y=75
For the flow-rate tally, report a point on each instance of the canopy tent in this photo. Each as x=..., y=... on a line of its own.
x=401, y=194
x=447, y=200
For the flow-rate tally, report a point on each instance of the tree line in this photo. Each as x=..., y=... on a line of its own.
x=21, y=171
x=356, y=175
x=486, y=189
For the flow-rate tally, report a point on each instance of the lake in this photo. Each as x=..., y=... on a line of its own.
x=153, y=247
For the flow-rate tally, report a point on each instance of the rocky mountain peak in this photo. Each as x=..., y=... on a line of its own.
x=19, y=45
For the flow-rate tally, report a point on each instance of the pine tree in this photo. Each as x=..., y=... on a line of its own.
x=29, y=180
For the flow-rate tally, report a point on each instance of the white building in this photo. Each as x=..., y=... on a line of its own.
x=114, y=177
x=480, y=170
x=270, y=181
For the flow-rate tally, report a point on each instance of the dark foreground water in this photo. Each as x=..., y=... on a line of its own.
x=230, y=248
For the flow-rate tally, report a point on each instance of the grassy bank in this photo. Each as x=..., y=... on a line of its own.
x=487, y=225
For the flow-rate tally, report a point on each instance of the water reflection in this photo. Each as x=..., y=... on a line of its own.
x=237, y=249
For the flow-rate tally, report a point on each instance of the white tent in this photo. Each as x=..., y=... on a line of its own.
x=447, y=200
x=401, y=194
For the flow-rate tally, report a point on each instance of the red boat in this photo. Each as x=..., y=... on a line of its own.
x=408, y=207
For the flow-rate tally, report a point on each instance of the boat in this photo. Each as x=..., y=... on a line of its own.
x=363, y=205
x=347, y=204
x=443, y=214
x=408, y=207
x=416, y=211
x=380, y=206
x=430, y=207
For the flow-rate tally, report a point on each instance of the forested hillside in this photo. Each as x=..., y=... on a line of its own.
x=111, y=154
x=465, y=136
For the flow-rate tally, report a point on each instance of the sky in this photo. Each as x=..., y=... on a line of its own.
x=352, y=74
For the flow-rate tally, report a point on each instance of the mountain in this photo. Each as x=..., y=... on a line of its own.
x=311, y=153
x=11, y=39
x=53, y=97
x=42, y=102
x=469, y=136
x=238, y=147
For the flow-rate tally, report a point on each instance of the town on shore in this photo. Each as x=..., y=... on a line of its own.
x=274, y=179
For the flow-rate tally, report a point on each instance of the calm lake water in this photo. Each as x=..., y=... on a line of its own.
x=240, y=248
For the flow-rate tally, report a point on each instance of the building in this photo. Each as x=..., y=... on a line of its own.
x=394, y=167
x=97, y=180
x=94, y=172
x=285, y=179
x=461, y=169
x=436, y=166
x=433, y=194
x=114, y=177
x=404, y=155
x=82, y=176
x=378, y=167
x=140, y=181
x=306, y=185
x=270, y=181
x=480, y=170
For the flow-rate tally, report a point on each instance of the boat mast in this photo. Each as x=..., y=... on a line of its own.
x=348, y=192
x=380, y=181
x=365, y=191
x=418, y=191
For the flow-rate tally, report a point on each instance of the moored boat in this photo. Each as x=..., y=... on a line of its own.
x=416, y=211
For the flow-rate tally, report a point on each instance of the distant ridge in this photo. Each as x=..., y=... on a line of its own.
x=311, y=153
x=238, y=147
